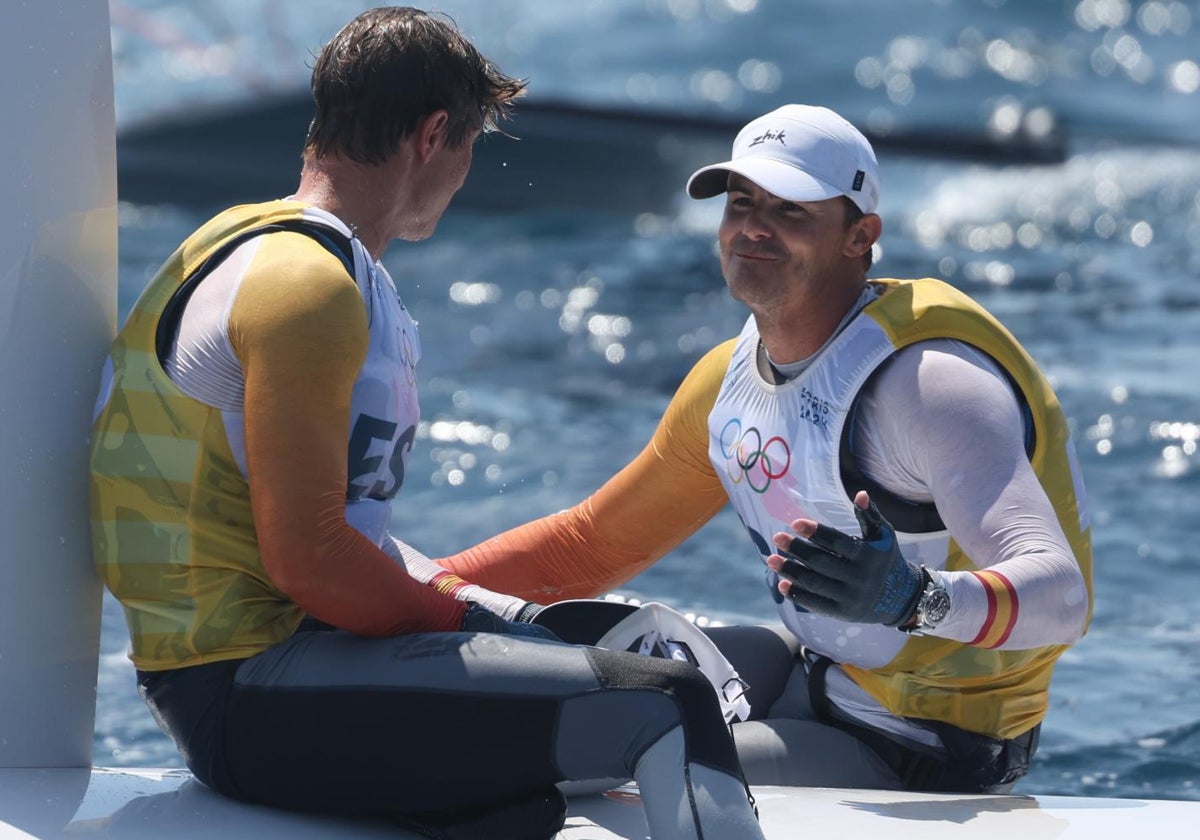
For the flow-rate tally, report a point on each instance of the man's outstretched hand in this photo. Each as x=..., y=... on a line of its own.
x=861, y=579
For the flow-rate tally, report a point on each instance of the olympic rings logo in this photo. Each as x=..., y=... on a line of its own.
x=748, y=457
x=408, y=357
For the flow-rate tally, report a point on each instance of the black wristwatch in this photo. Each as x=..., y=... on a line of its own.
x=932, y=606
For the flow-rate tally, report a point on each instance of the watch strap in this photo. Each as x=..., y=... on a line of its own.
x=933, y=597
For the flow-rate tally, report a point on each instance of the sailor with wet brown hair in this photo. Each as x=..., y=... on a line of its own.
x=258, y=410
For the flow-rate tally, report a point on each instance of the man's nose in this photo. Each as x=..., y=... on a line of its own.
x=755, y=226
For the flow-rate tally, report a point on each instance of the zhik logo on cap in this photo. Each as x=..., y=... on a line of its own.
x=769, y=135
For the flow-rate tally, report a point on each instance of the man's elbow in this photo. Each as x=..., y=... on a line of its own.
x=1075, y=612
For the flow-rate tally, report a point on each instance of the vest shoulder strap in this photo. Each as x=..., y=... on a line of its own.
x=332, y=240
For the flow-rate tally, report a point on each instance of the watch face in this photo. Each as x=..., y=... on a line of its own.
x=934, y=607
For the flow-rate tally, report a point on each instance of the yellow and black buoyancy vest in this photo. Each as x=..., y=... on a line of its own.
x=173, y=533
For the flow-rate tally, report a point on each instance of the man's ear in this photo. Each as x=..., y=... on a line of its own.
x=863, y=234
x=430, y=134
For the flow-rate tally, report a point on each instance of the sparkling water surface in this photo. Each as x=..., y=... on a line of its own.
x=552, y=341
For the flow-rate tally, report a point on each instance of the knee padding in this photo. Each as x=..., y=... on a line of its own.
x=707, y=736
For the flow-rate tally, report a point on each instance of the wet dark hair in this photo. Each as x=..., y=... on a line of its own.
x=388, y=68
x=853, y=214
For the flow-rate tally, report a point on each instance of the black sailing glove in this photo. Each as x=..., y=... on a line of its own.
x=479, y=619
x=863, y=580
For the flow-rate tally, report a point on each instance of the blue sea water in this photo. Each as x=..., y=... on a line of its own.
x=553, y=340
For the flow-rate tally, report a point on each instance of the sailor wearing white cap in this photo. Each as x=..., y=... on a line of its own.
x=901, y=466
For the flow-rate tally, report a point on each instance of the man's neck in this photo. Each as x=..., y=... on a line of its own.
x=352, y=192
x=804, y=329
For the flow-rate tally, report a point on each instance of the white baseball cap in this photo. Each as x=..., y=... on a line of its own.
x=799, y=153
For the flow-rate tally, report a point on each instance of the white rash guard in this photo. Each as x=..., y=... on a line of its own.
x=941, y=421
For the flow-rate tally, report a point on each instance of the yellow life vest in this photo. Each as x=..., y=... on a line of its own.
x=173, y=533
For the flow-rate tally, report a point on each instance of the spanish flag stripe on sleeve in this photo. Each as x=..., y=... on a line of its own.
x=1002, y=609
x=447, y=583
x=991, y=613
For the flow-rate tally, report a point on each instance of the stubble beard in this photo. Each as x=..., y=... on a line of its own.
x=763, y=288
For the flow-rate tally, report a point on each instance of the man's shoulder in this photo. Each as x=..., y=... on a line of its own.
x=710, y=369
x=720, y=355
x=913, y=310
x=699, y=389
x=241, y=217
x=928, y=290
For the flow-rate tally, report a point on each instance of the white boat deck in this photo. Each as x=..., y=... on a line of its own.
x=148, y=803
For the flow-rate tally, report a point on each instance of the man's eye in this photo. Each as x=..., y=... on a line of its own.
x=791, y=207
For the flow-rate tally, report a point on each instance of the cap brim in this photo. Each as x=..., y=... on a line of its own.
x=774, y=176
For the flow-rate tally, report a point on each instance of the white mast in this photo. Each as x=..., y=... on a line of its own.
x=58, y=280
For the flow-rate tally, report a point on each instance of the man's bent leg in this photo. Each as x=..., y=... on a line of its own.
x=793, y=745
x=689, y=777
x=782, y=751
x=763, y=656
x=335, y=722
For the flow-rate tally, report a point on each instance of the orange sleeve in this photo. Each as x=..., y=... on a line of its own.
x=299, y=328
x=663, y=496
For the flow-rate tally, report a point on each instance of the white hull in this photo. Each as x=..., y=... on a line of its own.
x=144, y=803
